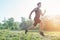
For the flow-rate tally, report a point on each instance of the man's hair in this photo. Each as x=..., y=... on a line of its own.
x=38, y=3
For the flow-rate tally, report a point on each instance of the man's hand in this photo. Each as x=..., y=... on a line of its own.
x=44, y=12
x=29, y=17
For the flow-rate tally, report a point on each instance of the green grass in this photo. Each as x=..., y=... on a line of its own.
x=19, y=35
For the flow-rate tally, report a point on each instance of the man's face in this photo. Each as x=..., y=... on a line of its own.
x=39, y=5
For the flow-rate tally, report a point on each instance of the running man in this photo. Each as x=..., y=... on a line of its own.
x=37, y=19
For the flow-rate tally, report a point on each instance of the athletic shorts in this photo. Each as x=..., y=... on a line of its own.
x=36, y=21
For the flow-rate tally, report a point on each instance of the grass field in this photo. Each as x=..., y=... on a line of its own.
x=19, y=35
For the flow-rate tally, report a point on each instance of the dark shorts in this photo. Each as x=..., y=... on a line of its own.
x=36, y=21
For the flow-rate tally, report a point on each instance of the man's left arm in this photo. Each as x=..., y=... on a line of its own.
x=44, y=13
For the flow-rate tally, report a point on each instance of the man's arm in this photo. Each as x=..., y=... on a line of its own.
x=43, y=13
x=31, y=13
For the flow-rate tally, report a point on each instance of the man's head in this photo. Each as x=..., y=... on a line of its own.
x=39, y=4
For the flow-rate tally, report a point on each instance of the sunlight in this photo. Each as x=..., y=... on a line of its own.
x=52, y=23
x=52, y=7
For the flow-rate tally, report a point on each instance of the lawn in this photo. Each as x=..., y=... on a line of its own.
x=20, y=35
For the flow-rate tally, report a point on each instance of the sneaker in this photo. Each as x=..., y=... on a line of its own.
x=41, y=33
x=26, y=31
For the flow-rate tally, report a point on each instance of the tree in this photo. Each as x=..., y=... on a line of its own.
x=25, y=23
x=10, y=24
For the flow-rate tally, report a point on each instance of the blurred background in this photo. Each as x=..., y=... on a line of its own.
x=14, y=14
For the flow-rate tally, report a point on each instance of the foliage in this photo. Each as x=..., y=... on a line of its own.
x=25, y=23
x=18, y=35
x=11, y=24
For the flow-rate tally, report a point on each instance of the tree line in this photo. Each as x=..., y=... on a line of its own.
x=12, y=25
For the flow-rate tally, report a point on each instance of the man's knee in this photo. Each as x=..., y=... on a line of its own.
x=35, y=24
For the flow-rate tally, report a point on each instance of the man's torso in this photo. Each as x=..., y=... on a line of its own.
x=37, y=13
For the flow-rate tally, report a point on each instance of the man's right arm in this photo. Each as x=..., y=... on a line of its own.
x=31, y=13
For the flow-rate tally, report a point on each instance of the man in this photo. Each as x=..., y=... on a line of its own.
x=37, y=20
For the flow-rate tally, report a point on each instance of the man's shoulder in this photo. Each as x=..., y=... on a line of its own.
x=35, y=8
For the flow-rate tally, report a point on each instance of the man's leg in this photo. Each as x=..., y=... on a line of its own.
x=33, y=26
x=41, y=28
x=29, y=29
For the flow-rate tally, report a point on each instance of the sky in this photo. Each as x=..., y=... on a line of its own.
x=22, y=8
